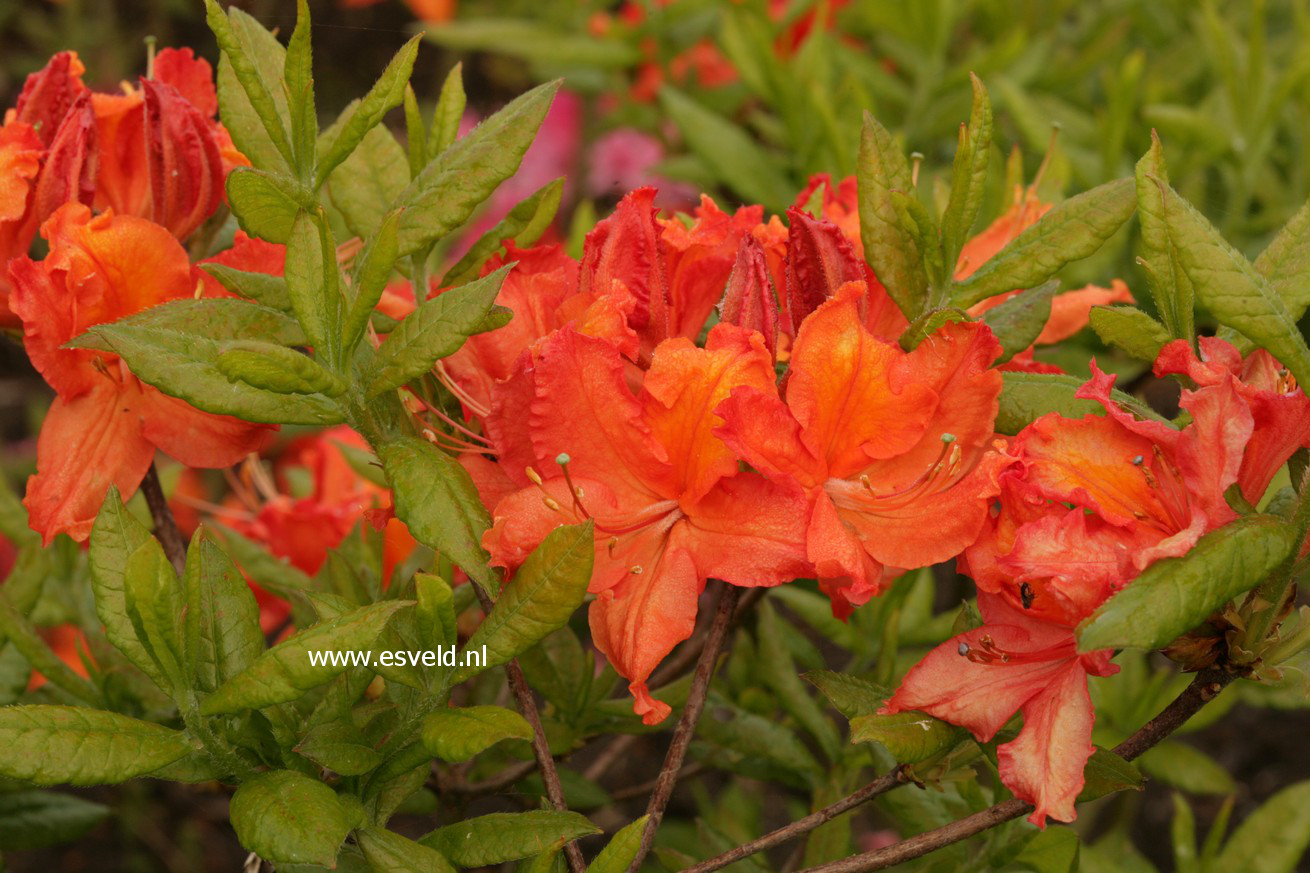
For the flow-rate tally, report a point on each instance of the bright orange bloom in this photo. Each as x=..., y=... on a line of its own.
x=1016, y=662
x=105, y=425
x=893, y=449
x=20, y=161
x=669, y=505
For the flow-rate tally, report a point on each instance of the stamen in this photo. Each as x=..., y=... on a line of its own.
x=533, y=476
x=563, y=460
x=551, y=503
x=963, y=649
x=636, y=570
x=1137, y=461
x=916, y=159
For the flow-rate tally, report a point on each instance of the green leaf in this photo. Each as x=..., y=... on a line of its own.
x=500, y=837
x=1026, y=397
x=910, y=737
x=888, y=247
x=533, y=41
x=1130, y=329
x=27, y=640
x=1172, y=292
x=40, y=819
x=1228, y=286
x=436, y=499
x=778, y=671
x=436, y=329
x=388, y=852
x=849, y=695
x=1285, y=263
x=222, y=630
x=262, y=288
x=969, y=175
x=620, y=851
x=47, y=745
x=250, y=96
x=114, y=537
x=1174, y=595
x=524, y=224
x=929, y=323
x=175, y=347
x=298, y=76
x=1054, y=850
x=1188, y=768
x=264, y=204
x=288, y=818
x=449, y=112
x=1106, y=773
x=542, y=596
x=365, y=185
x=458, y=734
x=340, y=747
x=285, y=671
x=1183, y=831
x=1018, y=321
x=312, y=283
x=1070, y=231
x=372, y=271
x=730, y=153
x=385, y=95
x=1273, y=838
x=154, y=606
x=445, y=194
x=275, y=368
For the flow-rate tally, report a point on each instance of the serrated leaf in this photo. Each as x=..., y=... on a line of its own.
x=435, y=498
x=1070, y=231
x=1174, y=595
x=888, y=247
x=250, y=97
x=386, y=94
x=526, y=222
x=910, y=737
x=436, y=329
x=544, y=593
x=1106, y=773
x=1130, y=329
x=620, y=851
x=447, y=192
x=1018, y=321
x=1273, y=838
x=388, y=852
x=285, y=671
x=271, y=291
x=263, y=204
x=298, y=78
x=288, y=818
x=455, y=735
x=849, y=695
x=729, y=152
x=1228, y=286
x=969, y=174
x=48, y=745
x=223, y=635
x=40, y=819
x=114, y=537
x=1026, y=397
x=500, y=837
x=175, y=347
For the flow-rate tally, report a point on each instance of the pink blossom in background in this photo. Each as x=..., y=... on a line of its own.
x=624, y=160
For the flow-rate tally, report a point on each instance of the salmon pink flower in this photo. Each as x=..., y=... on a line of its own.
x=105, y=425
x=669, y=505
x=20, y=162
x=893, y=449
x=1016, y=662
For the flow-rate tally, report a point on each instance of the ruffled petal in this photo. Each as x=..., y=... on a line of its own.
x=196, y=438
x=748, y=531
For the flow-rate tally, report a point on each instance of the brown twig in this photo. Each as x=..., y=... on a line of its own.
x=695, y=768
x=165, y=527
x=800, y=827
x=686, y=727
x=540, y=748
x=687, y=656
x=501, y=780
x=1204, y=688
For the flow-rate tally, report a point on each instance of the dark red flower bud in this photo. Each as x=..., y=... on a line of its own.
x=819, y=261
x=621, y=258
x=750, y=300
x=49, y=93
x=69, y=172
x=183, y=158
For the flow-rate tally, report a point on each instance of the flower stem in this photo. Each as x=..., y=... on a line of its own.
x=165, y=526
x=1204, y=688
x=682, y=734
x=540, y=748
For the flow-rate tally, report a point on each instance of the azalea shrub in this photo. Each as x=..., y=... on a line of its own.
x=796, y=492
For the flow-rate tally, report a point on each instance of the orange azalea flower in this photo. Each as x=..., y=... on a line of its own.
x=105, y=425
x=1016, y=662
x=669, y=505
x=1139, y=490
x=20, y=161
x=892, y=448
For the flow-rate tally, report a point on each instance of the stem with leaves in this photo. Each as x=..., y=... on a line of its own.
x=1204, y=688
x=165, y=526
x=686, y=728
x=518, y=683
